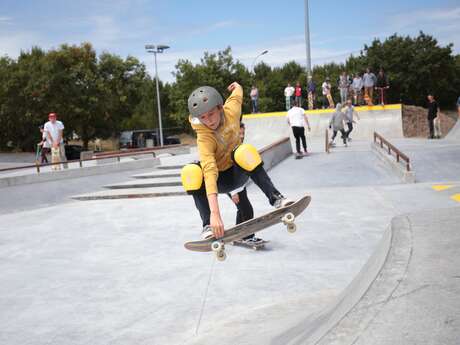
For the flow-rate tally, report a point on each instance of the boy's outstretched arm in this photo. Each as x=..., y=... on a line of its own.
x=217, y=224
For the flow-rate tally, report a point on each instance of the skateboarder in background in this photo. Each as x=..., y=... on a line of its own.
x=297, y=119
x=337, y=123
x=225, y=164
x=350, y=112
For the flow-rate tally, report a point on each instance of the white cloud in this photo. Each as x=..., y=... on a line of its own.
x=442, y=23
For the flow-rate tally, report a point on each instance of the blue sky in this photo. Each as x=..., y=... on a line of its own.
x=123, y=27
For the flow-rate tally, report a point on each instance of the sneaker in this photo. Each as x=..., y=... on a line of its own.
x=281, y=201
x=252, y=240
x=206, y=233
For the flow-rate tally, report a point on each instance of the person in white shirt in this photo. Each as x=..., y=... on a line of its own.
x=297, y=119
x=327, y=88
x=357, y=87
x=288, y=94
x=54, y=130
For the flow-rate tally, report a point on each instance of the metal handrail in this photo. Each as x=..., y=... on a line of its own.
x=109, y=155
x=391, y=148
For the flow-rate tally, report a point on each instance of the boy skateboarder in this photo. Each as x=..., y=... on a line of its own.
x=225, y=164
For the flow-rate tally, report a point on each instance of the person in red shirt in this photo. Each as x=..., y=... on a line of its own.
x=298, y=94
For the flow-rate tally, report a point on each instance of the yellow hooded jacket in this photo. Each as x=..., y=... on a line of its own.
x=215, y=146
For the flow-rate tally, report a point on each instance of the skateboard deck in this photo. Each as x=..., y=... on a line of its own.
x=330, y=100
x=55, y=158
x=310, y=101
x=284, y=215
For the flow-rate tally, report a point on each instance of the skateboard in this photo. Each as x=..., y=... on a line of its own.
x=38, y=153
x=255, y=246
x=55, y=158
x=330, y=100
x=298, y=156
x=310, y=101
x=285, y=215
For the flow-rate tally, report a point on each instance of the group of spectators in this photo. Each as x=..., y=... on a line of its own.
x=359, y=88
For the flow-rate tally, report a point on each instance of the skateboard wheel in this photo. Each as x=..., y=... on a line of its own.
x=217, y=246
x=288, y=218
x=221, y=255
x=291, y=228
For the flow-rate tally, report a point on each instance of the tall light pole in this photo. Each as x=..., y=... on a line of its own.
x=253, y=63
x=307, y=39
x=157, y=49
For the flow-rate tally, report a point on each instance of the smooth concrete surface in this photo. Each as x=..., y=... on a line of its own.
x=454, y=133
x=146, y=183
x=116, y=271
x=157, y=174
x=415, y=299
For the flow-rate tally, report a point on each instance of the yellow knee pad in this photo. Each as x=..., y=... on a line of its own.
x=247, y=157
x=192, y=177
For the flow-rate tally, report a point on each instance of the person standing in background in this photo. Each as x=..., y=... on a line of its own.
x=344, y=84
x=298, y=93
x=54, y=130
x=369, y=80
x=382, y=86
x=311, y=89
x=357, y=88
x=431, y=116
x=254, y=99
x=288, y=94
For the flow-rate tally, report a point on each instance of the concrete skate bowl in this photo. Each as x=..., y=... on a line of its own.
x=402, y=295
x=454, y=133
x=263, y=129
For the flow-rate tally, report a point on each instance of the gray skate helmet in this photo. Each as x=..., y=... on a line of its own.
x=203, y=100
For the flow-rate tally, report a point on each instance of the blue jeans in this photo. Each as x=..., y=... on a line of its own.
x=255, y=105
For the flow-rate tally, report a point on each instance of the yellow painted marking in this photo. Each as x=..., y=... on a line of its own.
x=324, y=111
x=441, y=187
x=456, y=197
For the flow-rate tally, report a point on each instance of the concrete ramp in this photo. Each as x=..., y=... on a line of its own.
x=263, y=129
x=408, y=292
x=454, y=133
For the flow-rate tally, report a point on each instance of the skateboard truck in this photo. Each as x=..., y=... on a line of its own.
x=218, y=248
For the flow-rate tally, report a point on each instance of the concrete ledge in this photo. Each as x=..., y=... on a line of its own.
x=275, y=153
x=78, y=172
x=393, y=165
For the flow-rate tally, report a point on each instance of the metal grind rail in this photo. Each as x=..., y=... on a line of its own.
x=381, y=141
x=100, y=156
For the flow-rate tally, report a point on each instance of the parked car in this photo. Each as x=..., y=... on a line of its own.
x=72, y=152
x=142, y=138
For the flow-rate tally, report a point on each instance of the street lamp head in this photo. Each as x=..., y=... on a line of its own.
x=155, y=49
x=161, y=47
x=264, y=52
